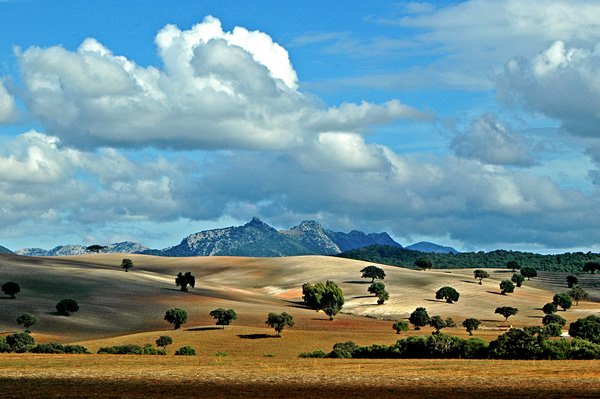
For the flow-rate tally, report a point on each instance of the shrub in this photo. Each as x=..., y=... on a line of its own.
x=20, y=342
x=552, y=330
x=185, y=351
x=473, y=348
x=376, y=288
x=319, y=354
x=586, y=328
x=4, y=347
x=128, y=349
x=221, y=354
x=343, y=350
x=382, y=297
x=66, y=307
x=163, y=341
x=400, y=326
x=554, y=318
x=54, y=348
x=148, y=349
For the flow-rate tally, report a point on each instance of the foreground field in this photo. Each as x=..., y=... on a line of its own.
x=111, y=376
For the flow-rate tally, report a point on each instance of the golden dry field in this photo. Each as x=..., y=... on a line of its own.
x=247, y=359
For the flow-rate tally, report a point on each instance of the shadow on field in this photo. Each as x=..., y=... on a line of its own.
x=256, y=336
x=536, y=317
x=297, y=304
x=55, y=313
x=469, y=281
x=495, y=292
x=434, y=300
x=356, y=282
x=364, y=296
x=204, y=328
x=6, y=297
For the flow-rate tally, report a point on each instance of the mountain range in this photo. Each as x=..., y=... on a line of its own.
x=255, y=238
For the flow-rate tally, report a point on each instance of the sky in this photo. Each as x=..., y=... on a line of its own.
x=474, y=124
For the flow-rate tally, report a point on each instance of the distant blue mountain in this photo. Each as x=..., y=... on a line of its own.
x=357, y=239
x=425, y=246
x=4, y=250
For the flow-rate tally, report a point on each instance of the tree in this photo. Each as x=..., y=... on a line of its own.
x=419, y=318
x=517, y=279
x=373, y=272
x=423, y=263
x=438, y=323
x=549, y=308
x=20, y=342
x=95, y=248
x=279, y=321
x=471, y=325
x=578, y=294
x=11, y=289
x=554, y=318
x=183, y=280
x=223, y=317
x=376, y=288
x=513, y=265
x=332, y=299
x=447, y=293
x=176, y=316
x=480, y=274
x=66, y=307
x=529, y=272
x=572, y=281
x=506, y=311
x=563, y=300
x=382, y=297
x=506, y=286
x=163, y=341
x=126, y=264
x=591, y=267
x=312, y=294
x=27, y=320
x=400, y=326
x=586, y=328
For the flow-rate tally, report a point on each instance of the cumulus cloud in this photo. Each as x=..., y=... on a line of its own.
x=8, y=108
x=488, y=141
x=218, y=90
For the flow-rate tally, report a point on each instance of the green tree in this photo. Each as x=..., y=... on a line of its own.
x=223, y=317
x=438, y=323
x=591, y=267
x=471, y=325
x=11, y=289
x=20, y=342
x=447, y=293
x=279, y=321
x=382, y=297
x=312, y=294
x=572, y=281
x=419, y=318
x=376, y=288
x=126, y=264
x=66, y=307
x=28, y=320
x=423, y=263
x=506, y=286
x=176, y=316
x=506, y=311
x=562, y=300
x=513, y=265
x=586, y=328
x=480, y=274
x=400, y=326
x=332, y=299
x=554, y=318
x=163, y=341
x=529, y=272
x=373, y=272
x=578, y=294
x=517, y=279
x=185, y=351
x=549, y=308
x=183, y=280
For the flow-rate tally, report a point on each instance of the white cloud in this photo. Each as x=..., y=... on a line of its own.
x=8, y=108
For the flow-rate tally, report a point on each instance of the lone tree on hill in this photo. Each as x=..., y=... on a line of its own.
x=578, y=294
x=176, y=316
x=183, y=280
x=382, y=297
x=471, y=325
x=332, y=299
x=506, y=311
x=480, y=274
x=28, y=320
x=447, y=293
x=529, y=272
x=572, y=281
x=506, y=286
x=586, y=328
x=423, y=263
x=419, y=318
x=549, y=308
x=223, y=317
x=376, y=288
x=163, y=341
x=279, y=321
x=554, y=318
x=517, y=279
x=11, y=289
x=95, y=248
x=126, y=264
x=373, y=272
x=438, y=323
x=562, y=300
x=400, y=326
x=513, y=265
x=591, y=267
x=66, y=307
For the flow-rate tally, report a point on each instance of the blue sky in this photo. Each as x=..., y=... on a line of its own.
x=473, y=124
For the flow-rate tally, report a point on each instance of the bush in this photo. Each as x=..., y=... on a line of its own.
x=20, y=342
x=4, y=347
x=343, y=350
x=185, y=351
x=517, y=344
x=148, y=349
x=552, y=330
x=376, y=351
x=586, y=328
x=473, y=348
x=163, y=341
x=319, y=354
x=576, y=349
x=128, y=349
x=554, y=318
x=221, y=354
x=400, y=326
x=54, y=348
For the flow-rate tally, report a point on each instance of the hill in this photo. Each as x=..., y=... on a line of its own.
x=65, y=250
x=4, y=250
